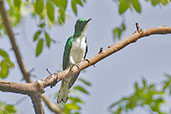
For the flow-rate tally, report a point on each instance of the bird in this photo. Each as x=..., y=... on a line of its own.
x=74, y=52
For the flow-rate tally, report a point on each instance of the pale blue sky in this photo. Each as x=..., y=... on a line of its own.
x=114, y=76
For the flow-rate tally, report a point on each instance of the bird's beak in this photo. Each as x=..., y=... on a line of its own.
x=88, y=20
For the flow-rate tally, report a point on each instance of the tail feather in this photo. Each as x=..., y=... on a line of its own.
x=65, y=86
x=63, y=95
x=64, y=91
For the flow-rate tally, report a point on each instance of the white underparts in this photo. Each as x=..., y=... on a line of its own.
x=78, y=49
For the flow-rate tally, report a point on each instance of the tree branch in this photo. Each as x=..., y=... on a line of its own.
x=22, y=88
x=26, y=74
x=38, y=107
x=54, y=78
x=52, y=106
x=13, y=42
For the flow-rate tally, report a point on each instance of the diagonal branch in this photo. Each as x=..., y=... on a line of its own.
x=13, y=42
x=54, y=78
x=26, y=75
x=52, y=106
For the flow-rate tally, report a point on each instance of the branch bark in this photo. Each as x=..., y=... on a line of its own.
x=56, y=77
x=38, y=107
x=22, y=88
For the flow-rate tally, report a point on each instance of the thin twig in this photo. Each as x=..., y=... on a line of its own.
x=26, y=74
x=13, y=42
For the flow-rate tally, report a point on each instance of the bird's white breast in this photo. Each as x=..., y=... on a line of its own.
x=78, y=50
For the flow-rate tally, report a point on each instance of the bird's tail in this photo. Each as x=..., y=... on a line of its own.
x=63, y=93
x=65, y=86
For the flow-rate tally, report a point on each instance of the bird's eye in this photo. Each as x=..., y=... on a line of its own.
x=80, y=23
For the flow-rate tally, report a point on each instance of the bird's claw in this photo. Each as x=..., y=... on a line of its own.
x=77, y=65
x=55, y=80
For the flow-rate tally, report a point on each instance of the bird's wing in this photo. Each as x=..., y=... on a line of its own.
x=67, y=53
x=86, y=49
x=76, y=75
x=73, y=79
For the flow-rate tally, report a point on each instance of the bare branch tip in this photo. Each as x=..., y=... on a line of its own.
x=139, y=30
x=101, y=50
x=56, y=79
x=47, y=70
x=31, y=70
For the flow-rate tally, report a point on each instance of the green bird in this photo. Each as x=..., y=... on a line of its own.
x=75, y=52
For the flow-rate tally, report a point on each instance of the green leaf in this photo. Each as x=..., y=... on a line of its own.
x=85, y=82
x=6, y=57
x=60, y=3
x=81, y=89
x=117, y=33
x=61, y=17
x=39, y=6
x=79, y=2
x=72, y=106
x=155, y=2
x=123, y=27
x=4, y=54
x=41, y=25
x=123, y=6
x=17, y=4
x=144, y=83
x=164, y=2
x=74, y=7
x=50, y=11
x=115, y=30
x=119, y=110
x=4, y=69
x=36, y=35
x=76, y=100
x=39, y=47
x=136, y=86
x=137, y=6
x=10, y=108
x=48, y=40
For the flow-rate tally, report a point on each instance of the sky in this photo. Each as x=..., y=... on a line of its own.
x=113, y=77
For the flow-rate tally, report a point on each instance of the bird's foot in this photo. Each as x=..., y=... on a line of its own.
x=55, y=79
x=77, y=65
x=54, y=76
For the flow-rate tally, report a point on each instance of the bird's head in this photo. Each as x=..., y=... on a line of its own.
x=81, y=26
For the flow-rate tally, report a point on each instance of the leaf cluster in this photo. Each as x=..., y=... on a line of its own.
x=7, y=109
x=146, y=96
x=41, y=37
x=5, y=64
x=124, y=5
x=118, y=31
